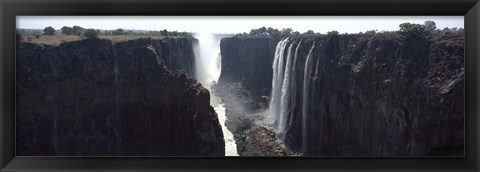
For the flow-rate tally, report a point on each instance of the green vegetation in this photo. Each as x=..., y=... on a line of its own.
x=452, y=29
x=270, y=32
x=164, y=32
x=333, y=32
x=49, y=30
x=119, y=31
x=409, y=29
x=77, y=30
x=285, y=32
x=406, y=30
x=67, y=30
x=426, y=30
x=36, y=34
x=371, y=32
x=90, y=34
x=309, y=33
x=430, y=26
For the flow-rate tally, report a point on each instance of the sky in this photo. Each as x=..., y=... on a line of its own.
x=237, y=24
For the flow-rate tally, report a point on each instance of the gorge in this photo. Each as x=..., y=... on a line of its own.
x=380, y=94
x=208, y=58
x=349, y=95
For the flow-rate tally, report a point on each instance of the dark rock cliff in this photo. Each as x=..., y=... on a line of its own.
x=177, y=54
x=379, y=94
x=96, y=97
x=248, y=60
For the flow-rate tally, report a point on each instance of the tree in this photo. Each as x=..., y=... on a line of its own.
x=253, y=32
x=129, y=33
x=66, y=30
x=430, y=25
x=164, y=32
x=409, y=29
x=371, y=32
x=309, y=32
x=333, y=32
x=286, y=32
x=262, y=31
x=77, y=30
x=273, y=32
x=49, y=31
x=90, y=34
x=119, y=31
x=174, y=33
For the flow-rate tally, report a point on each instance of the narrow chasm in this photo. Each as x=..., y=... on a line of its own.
x=208, y=68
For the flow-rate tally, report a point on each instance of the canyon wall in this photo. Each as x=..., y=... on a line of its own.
x=380, y=94
x=248, y=60
x=101, y=98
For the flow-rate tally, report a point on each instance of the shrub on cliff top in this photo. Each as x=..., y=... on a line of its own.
x=119, y=31
x=271, y=32
x=49, y=31
x=409, y=29
x=36, y=34
x=430, y=25
x=90, y=34
x=66, y=30
x=333, y=32
x=77, y=30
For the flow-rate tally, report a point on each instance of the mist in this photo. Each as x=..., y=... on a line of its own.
x=208, y=68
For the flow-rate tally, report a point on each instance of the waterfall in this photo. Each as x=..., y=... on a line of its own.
x=306, y=81
x=285, y=92
x=206, y=59
x=294, y=84
x=284, y=89
x=277, y=76
x=208, y=68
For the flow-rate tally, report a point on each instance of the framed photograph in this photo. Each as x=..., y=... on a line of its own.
x=239, y=85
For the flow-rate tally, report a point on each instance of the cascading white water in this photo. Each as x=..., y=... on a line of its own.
x=306, y=82
x=276, y=85
x=284, y=96
x=208, y=68
x=283, y=86
x=206, y=59
x=293, y=91
x=284, y=89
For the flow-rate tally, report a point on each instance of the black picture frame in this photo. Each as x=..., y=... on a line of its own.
x=9, y=9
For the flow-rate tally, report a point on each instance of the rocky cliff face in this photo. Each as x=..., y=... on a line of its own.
x=177, y=54
x=376, y=95
x=96, y=97
x=247, y=60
